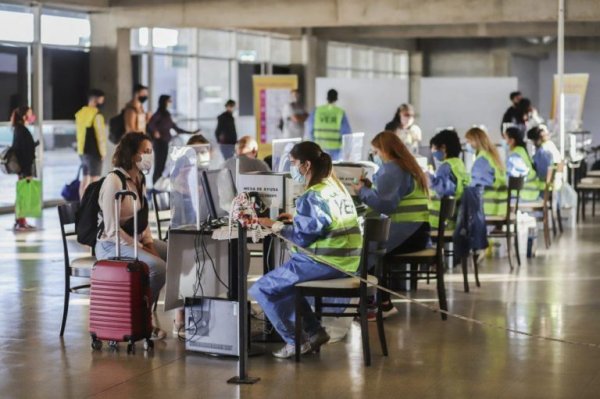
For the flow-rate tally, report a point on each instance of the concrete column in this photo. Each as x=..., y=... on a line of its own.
x=415, y=73
x=110, y=62
x=315, y=59
x=110, y=68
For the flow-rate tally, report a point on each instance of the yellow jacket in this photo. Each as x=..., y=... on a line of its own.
x=85, y=118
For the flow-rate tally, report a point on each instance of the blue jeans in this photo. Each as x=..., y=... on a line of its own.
x=275, y=294
x=156, y=265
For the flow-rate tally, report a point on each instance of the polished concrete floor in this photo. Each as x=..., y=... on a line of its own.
x=555, y=294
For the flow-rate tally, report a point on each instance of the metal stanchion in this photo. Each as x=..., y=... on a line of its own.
x=242, y=377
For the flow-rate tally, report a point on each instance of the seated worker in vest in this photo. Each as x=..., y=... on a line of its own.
x=546, y=154
x=519, y=164
x=399, y=190
x=327, y=124
x=488, y=172
x=246, y=151
x=133, y=157
x=450, y=177
x=325, y=223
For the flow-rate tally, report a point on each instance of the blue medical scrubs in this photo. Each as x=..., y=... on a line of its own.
x=516, y=166
x=543, y=160
x=275, y=290
x=482, y=173
x=443, y=182
x=391, y=184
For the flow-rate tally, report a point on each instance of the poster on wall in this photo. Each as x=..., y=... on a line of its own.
x=575, y=85
x=271, y=94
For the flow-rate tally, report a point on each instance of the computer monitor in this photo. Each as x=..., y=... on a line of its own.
x=220, y=191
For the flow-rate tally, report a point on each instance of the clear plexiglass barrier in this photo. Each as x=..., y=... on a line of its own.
x=352, y=147
x=281, y=152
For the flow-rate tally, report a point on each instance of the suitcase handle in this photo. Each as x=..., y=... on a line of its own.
x=123, y=194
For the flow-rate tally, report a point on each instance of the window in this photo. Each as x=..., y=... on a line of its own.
x=213, y=87
x=281, y=51
x=250, y=48
x=16, y=23
x=215, y=43
x=65, y=29
x=348, y=60
x=176, y=76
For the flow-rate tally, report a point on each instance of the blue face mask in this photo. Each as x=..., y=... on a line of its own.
x=469, y=148
x=377, y=160
x=438, y=155
x=296, y=175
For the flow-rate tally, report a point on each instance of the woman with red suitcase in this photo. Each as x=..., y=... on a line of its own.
x=132, y=159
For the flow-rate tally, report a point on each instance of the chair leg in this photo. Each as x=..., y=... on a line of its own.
x=65, y=307
x=298, y=325
x=516, y=239
x=464, y=265
x=441, y=288
x=413, y=276
x=578, y=205
x=476, y=269
x=380, y=330
x=509, y=250
x=546, y=228
x=318, y=310
x=559, y=217
x=553, y=219
x=593, y=203
x=364, y=332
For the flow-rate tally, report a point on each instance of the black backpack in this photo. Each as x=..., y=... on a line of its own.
x=116, y=127
x=86, y=219
x=9, y=163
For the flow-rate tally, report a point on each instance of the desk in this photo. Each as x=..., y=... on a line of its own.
x=181, y=267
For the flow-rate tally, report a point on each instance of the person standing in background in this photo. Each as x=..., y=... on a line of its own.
x=91, y=139
x=246, y=153
x=226, y=132
x=403, y=124
x=293, y=116
x=512, y=114
x=327, y=124
x=24, y=148
x=134, y=114
x=159, y=127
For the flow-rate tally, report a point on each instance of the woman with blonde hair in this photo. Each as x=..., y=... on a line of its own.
x=488, y=172
x=399, y=190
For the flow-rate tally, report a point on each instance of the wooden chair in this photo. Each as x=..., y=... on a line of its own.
x=80, y=267
x=587, y=185
x=544, y=206
x=515, y=185
x=376, y=232
x=162, y=211
x=431, y=257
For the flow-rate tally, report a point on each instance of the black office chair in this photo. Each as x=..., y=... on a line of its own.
x=430, y=257
x=376, y=232
x=515, y=185
x=162, y=211
x=80, y=267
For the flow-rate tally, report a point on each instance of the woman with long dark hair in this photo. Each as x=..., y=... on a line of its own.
x=160, y=127
x=24, y=148
x=399, y=190
x=326, y=223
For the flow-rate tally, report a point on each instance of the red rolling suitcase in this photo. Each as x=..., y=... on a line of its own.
x=120, y=298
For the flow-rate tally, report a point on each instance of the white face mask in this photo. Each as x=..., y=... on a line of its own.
x=203, y=158
x=146, y=163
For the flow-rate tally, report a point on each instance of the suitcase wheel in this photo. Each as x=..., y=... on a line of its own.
x=131, y=348
x=96, y=344
x=113, y=345
x=148, y=345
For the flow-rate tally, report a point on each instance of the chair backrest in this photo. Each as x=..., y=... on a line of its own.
x=162, y=203
x=375, y=235
x=515, y=185
x=66, y=216
x=447, y=209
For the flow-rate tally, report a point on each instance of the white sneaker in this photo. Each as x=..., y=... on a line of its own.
x=157, y=334
x=290, y=350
